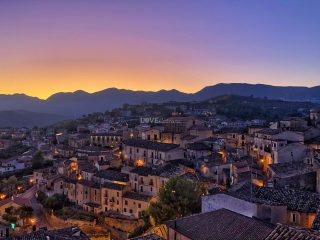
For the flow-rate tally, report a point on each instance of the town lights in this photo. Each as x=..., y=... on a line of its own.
x=32, y=221
x=139, y=163
x=2, y=196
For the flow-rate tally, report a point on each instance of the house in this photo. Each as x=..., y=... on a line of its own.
x=148, y=181
x=112, y=176
x=15, y=202
x=180, y=124
x=219, y=224
x=148, y=133
x=64, y=233
x=197, y=150
x=141, y=152
x=135, y=204
x=200, y=131
x=292, y=233
x=40, y=177
x=272, y=146
x=87, y=192
x=110, y=139
x=288, y=206
x=315, y=117
x=299, y=175
x=78, y=140
x=234, y=137
x=112, y=195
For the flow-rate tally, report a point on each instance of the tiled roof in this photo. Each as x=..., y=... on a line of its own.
x=221, y=225
x=282, y=232
x=269, y=131
x=87, y=167
x=88, y=183
x=113, y=175
x=164, y=147
x=148, y=237
x=136, y=196
x=170, y=169
x=295, y=200
x=17, y=200
x=143, y=171
x=198, y=146
x=113, y=186
x=69, y=233
x=290, y=168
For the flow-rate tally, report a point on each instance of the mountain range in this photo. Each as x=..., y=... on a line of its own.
x=74, y=104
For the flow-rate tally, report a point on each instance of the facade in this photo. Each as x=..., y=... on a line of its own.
x=142, y=152
x=110, y=139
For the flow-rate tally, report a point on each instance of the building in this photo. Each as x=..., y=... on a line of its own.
x=219, y=224
x=43, y=234
x=110, y=139
x=288, y=206
x=135, y=204
x=141, y=152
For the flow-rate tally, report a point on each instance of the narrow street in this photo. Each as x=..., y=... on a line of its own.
x=38, y=211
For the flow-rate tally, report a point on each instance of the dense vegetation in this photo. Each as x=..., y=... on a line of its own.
x=247, y=108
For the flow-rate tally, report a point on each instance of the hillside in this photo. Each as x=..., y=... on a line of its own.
x=77, y=103
x=27, y=119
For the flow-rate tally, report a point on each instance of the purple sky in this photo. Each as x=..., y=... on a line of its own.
x=64, y=45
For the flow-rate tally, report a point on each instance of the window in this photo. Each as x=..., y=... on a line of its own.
x=117, y=202
x=125, y=202
x=125, y=210
x=118, y=194
x=295, y=218
x=139, y=205
x=141, y=189
x=131, y=211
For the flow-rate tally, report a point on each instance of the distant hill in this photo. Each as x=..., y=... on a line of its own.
x=77, y=103
x=261, y=90
x=27, y=119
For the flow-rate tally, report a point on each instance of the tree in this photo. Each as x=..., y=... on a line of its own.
x=12, y=180
x=179, y=197
x=25, y=212
x=37, y=160
x=10, y=215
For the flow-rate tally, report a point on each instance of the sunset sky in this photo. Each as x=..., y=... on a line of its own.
x=67, y=45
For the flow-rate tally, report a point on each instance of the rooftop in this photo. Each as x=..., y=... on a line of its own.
x=231, y=226
x=136, y=196
x=296, y=200
x=292, y=233
x=269, y=131
x=164, y=147
x=59, y=234
x=290, y=168
x=113, y=175
x=113, y=186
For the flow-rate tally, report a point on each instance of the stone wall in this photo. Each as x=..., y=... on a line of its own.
x=125, y=225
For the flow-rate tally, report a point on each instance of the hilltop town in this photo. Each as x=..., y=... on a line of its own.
x=175, y=170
